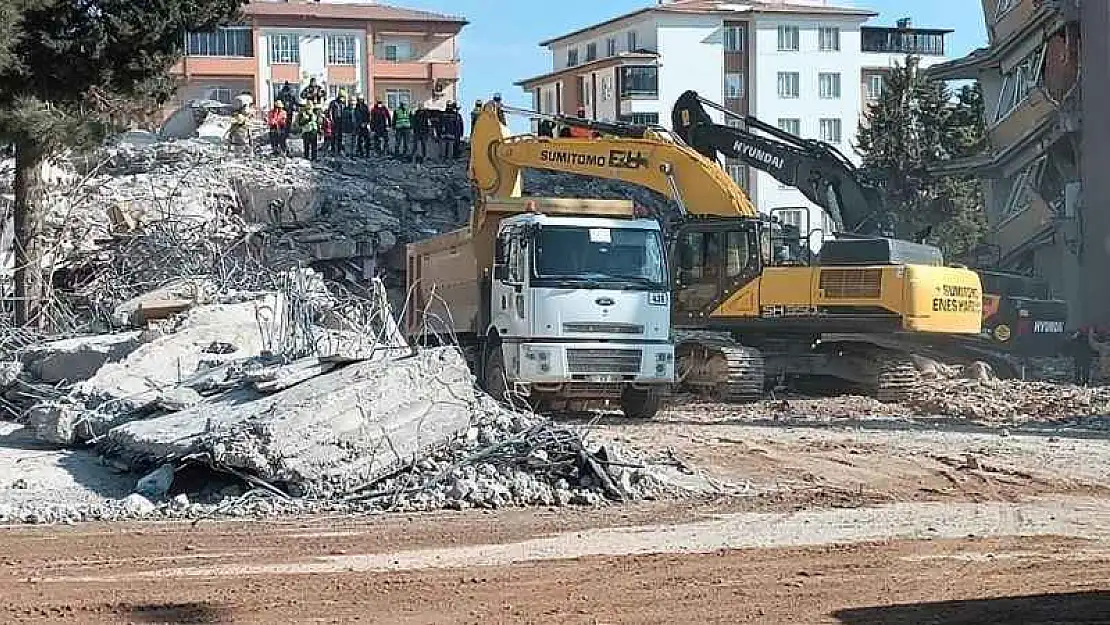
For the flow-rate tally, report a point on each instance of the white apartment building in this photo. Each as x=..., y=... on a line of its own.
x=806, y=66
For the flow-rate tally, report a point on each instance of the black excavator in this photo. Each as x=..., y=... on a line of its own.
x=1020, y=319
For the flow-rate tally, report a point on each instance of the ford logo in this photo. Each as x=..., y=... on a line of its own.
x=605, y=301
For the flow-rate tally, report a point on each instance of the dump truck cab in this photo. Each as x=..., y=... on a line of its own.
x=558, y=302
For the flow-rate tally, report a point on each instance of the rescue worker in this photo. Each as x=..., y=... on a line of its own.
x=336, y=112
x=452, y=124
x=500, y=112
x=1082, y=353
x=287, y=97
x=362, y=127
x=474, y=114
x=422, y=128
x=313, y=93
x=1101, y=351
x=308, y=122
x=380, y=121
x=278, y=121
x=239, y=135
x=402, y=128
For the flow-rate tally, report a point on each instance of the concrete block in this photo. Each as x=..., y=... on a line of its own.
x=324, y=435
x=77, y=359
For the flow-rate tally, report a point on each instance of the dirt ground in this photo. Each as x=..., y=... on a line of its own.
x=870, y=521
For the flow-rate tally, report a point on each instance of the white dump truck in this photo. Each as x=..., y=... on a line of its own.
x=555, y=301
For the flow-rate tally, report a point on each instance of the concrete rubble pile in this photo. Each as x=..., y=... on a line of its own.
x=142, y=211
x=1008, y=401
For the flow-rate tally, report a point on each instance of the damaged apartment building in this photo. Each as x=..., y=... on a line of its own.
x=1046, y=88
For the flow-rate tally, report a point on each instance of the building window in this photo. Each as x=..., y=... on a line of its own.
x=1003, y=7
x=1019, y=82
x=734, y=38
x=611, y=46
x=788, y=38
x=1024, y=188
x=734, y=86
x=788, y=84
x=591, y=52
x=792, y=217
x=334, y=88
x=341, y=50
x=285, y=48
x=548, y=102
x=219, y=94
x=828, y=86
x=396, y=97
x=738, y=172
x=630, y=38
x=237, y=42
x=875, y=86
x=398, y=51
x=791, y=125
x=572, y=57
x=831, y=130
x=828, y=39
x=901, y=41
x=639, y=81
x=641, y=119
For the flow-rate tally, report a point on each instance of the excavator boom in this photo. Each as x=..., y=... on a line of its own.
x=654, y=160
x=822, y=173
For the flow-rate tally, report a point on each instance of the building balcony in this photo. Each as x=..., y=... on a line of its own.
x=190, y=66
x=1018, y=229
x=1016, y=19
x=1028, y=118
x=416, y=70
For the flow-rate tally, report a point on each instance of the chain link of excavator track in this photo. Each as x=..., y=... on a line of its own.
x=897, y=376
x=745, y=369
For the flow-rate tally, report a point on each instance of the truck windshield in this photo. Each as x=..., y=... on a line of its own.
x=576, y=253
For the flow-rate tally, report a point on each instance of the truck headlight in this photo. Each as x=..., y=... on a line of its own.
x=658, y=299
x=664, y=357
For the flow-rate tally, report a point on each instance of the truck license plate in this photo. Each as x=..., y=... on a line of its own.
x=603, y=379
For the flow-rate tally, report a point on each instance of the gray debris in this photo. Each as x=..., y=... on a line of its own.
x=157, y=483
x=77, y=359
x=9, y=373
x=138, y=506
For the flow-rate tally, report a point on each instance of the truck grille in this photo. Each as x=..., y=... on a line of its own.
x=852, y=283
x=604, y=360
x=603, y=328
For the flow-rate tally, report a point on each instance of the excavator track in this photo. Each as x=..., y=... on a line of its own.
x=897, y=375
x=716, y=367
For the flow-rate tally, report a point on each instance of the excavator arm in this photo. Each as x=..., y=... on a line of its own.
x=821, y=172
x=652, y=159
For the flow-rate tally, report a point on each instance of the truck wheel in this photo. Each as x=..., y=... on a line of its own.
x=493, y=375
x=640, y=403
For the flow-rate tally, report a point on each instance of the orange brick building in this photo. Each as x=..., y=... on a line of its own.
x=384, y=52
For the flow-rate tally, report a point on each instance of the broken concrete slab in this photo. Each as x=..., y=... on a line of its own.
x=59, y=423
x=77, y=359
x=164, y=302
x=323, y=436
x=137, y=382
x=9, y=373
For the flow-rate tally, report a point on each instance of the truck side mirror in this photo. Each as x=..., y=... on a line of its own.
x=501, y=272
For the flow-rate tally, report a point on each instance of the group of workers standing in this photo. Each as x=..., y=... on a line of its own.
x=348, y=125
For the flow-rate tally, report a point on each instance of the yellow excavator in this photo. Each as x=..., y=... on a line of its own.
x=751, y=303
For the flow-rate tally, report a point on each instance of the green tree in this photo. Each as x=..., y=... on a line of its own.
x=916, y=125
x=69, y=68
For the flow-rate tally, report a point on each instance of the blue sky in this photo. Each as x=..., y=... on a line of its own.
x=499, y=47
